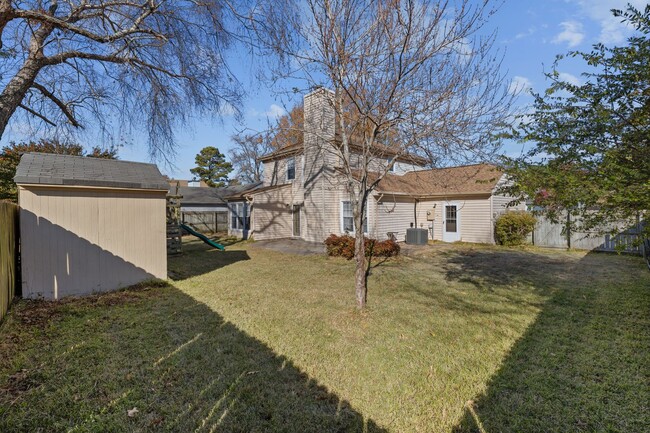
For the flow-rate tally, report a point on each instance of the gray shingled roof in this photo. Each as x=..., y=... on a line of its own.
x=67, y=170
x=194, y=196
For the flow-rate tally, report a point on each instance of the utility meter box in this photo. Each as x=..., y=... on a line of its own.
x=431, y=214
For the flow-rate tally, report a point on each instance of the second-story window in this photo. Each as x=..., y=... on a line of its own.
x=391, y=167
x=291, y=168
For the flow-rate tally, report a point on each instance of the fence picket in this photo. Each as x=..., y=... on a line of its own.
x=8, y=254
x=548, y=234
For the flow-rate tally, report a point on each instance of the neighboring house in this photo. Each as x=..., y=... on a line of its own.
x=190, y=183
x=205, y=208
x=89, y=225
x=304, y=194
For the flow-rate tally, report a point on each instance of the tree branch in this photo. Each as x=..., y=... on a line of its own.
x=110, y=58
x=65, y=25
x=64, y=108
x=37, y=114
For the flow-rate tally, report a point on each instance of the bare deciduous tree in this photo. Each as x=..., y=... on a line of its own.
x=250, y=146
x=132, y=63
x=246, y=153
x=408, y=77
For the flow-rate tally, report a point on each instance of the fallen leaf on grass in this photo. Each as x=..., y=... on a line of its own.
x=132, y=412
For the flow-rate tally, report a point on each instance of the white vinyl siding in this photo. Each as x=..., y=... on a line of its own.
x=395, y=214
x=272, y=217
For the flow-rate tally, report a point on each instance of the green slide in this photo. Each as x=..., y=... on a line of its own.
x=203, y=238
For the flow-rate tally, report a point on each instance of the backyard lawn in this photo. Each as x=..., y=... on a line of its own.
x=457, y=338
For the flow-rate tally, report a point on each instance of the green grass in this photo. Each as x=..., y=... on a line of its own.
x=457, y=338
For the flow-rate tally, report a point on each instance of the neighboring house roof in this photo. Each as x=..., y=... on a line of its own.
x=186, y=182
x=463, y=180
x=67, y=170
x=251, y=188
x=194, y=196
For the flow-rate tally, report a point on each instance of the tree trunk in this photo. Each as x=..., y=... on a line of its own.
x=360, y=283
x=6, y=15
x=14, y=92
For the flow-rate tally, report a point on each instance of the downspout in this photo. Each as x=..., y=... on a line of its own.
x=377, y=201
x=249, y=200
x=415, y=211
x=492, y=220
x=322, y=208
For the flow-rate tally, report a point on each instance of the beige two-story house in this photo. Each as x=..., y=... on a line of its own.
x=304, y=195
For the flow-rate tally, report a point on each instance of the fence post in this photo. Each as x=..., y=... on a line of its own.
x=568, y=229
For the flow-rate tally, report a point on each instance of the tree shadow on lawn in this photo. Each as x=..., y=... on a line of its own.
x=87, y=361
x=508, y=279
x=489, y=268
x=198, y=258
x=582, y=366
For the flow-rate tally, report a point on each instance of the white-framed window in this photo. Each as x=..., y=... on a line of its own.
x=391, y=167
x=347, y=218
x=291, y=168
x=239, y=218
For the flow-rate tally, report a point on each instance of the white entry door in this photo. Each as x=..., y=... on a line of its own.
x=451, y=222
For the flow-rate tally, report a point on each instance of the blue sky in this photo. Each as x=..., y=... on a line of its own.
x=530, y=33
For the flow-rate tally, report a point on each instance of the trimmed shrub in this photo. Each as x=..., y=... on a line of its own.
x=511, y=228
x=340, y=246
x=387, y=248
x=343, y=246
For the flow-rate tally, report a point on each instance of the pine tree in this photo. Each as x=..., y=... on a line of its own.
x=212, y=167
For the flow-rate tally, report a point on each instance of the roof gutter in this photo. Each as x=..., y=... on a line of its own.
x=113, y=188
x=434, y=196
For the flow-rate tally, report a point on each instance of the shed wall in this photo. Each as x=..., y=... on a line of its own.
x=77, y=241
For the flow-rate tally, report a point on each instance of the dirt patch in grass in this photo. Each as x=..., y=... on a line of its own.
x=31, y=322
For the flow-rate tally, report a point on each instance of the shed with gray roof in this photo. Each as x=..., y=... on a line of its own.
x=89, y=225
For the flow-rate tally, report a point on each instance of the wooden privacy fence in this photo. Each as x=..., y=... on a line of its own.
x=549, y=234
x=207, y=222
x=8, y=254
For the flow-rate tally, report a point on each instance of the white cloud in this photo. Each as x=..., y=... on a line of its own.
x=569, y=78
x=531, y=31
x=226, y=110
x=519, y=85
x=572, y=33
x=273, y=112
x=612, y=31
x=276, y=111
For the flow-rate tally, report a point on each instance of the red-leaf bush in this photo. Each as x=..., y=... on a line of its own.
x=343, y=246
